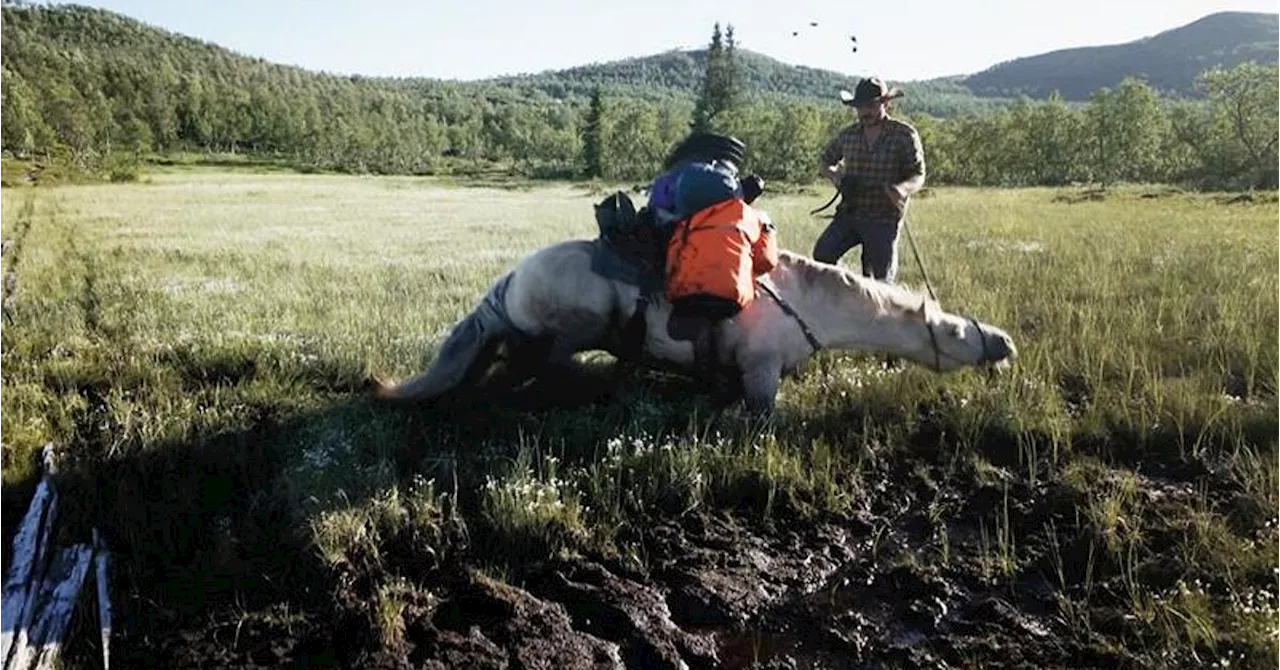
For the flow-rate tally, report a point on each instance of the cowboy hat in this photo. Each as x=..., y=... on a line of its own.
x=870, y=90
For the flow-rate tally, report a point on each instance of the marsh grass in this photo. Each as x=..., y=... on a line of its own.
x=196, y=347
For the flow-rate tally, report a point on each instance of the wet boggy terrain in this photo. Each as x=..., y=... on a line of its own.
x=895, y=584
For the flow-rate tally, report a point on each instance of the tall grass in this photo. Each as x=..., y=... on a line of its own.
x=196, y=347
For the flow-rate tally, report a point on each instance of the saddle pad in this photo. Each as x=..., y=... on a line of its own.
x=609, y=262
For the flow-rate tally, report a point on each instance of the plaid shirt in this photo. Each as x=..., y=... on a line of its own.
x=895, y=157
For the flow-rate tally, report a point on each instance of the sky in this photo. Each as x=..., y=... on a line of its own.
x=475, y=39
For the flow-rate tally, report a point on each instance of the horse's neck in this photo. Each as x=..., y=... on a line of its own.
x=841, y=316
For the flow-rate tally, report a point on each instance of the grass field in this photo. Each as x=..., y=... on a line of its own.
x=197, y=346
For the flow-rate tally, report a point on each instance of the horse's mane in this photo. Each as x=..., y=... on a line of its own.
x=884, y=296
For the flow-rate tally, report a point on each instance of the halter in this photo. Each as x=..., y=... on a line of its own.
x=933, y=339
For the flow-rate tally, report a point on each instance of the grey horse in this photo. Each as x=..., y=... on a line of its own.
x=552, y=306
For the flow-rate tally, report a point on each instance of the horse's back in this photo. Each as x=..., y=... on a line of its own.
x=554, y=291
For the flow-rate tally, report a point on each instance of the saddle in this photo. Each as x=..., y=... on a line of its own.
x=631, y=247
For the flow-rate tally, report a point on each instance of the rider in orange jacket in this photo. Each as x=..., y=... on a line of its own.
x=714, y=253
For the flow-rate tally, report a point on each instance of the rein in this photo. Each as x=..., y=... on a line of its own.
x=791, y=312
x=834, y=197
x=933, y=338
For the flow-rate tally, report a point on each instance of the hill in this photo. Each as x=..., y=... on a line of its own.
x=679, y=73
x=86, y=83
x=92, y=80
x=1168, y=61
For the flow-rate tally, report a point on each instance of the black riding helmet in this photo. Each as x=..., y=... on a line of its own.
x=708, y=147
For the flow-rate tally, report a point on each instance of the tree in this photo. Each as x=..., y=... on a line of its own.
x=635, y=148
x=593, y=136
x=720, y=83
x=1244, y=103
x=794, y=140
x=21, y=125
x=1128, y=127
x=731, y=76
x=1052, y=139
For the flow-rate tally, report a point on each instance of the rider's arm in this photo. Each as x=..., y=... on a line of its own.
x=764, y=251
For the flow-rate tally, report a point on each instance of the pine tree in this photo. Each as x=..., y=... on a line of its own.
x=593, y=136
x=708, y=105
x=731, y=75
x=722, y=83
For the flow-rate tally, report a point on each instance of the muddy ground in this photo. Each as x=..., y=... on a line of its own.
x=863, y=590
x=939, y=563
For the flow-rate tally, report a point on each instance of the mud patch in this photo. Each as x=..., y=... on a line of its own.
x=489, y=619
x=634, y=614
x=1074, y=197
x=1077, y=394
x=269, y=638
x=888, y=585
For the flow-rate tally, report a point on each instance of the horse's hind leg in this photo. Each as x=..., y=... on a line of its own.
x=464, y=357
x=525, y=359
x=557, y=377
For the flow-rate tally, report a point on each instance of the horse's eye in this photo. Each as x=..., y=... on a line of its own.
x=957, y=330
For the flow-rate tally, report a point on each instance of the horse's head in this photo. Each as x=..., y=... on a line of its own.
x=950, y=341
x=849, y=311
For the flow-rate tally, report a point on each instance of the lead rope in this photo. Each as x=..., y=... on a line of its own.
x=937, y=354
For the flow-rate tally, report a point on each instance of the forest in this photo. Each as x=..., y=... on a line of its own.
x=96, y=90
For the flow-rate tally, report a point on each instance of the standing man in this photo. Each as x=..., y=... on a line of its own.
x=883, y=166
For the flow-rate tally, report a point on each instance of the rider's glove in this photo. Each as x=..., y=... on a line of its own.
x=752, y=187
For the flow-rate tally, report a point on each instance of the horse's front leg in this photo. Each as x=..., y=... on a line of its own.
x=760, y=382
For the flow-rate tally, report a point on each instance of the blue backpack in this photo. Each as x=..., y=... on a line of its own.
x=680, y=192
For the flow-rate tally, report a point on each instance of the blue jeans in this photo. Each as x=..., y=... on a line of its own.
x=877, y=235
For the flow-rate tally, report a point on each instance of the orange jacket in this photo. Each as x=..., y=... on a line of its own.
x=719, y=251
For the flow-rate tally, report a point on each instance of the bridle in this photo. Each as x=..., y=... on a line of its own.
x=937, y=351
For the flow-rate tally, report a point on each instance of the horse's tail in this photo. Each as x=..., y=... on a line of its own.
x=465, y=354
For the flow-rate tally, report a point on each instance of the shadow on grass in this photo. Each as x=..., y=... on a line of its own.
x=216, y=526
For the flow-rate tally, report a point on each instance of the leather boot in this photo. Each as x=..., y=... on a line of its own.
x=704, y=353
x=720, y=379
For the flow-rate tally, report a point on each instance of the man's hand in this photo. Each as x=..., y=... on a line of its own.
x=897, y=195
x=833, y=175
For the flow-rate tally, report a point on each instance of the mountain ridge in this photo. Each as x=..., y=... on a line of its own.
x=1169, y=60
